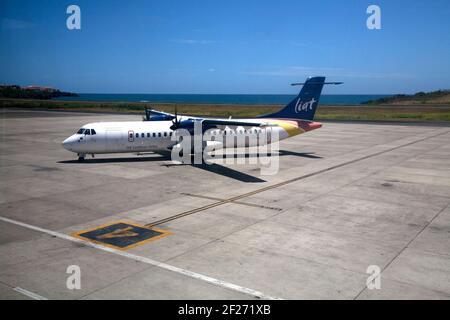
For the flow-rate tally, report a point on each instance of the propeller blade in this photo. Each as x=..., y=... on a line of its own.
x=175, y=121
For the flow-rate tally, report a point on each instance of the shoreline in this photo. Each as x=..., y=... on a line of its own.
x=406, y=122
x=402, y=113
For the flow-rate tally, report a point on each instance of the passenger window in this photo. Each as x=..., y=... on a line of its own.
x=93, y=132
x=159, y=134
x=165, y=134
x=87, y=132
x=154, y=135
x=148, y=135
x=137, y=135
x=142, y=135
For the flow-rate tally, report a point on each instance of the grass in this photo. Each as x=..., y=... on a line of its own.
x=439, y=97
x=385, y=113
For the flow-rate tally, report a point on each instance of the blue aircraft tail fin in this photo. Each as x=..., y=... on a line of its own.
x=305, y=104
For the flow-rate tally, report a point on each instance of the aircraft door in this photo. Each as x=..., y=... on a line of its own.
x=130, y=136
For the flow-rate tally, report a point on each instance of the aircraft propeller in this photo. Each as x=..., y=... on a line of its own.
x=175, y=123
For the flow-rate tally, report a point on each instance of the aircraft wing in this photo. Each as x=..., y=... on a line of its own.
x=154, y=115
x=160, y=113
x=234, y=123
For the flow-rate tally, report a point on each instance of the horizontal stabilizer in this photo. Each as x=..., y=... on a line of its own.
x=304, y=106
x=302, y=83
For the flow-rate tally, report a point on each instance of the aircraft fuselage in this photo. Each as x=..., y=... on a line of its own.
x=141, y=136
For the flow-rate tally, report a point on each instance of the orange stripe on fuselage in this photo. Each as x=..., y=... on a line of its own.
x=295, y=127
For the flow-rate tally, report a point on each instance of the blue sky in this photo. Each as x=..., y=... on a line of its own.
x=225, y=46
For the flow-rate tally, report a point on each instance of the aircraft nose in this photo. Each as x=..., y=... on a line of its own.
x=67, y=144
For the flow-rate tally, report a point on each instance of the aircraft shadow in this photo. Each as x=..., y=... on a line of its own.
x=223, y=171
x=213, y=168
x=310, y=155
x=117, y=160
x=281, y=153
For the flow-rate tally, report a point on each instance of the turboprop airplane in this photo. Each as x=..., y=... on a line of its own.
x=158, y=132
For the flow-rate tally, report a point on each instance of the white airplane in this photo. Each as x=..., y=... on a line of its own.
x=157, y=133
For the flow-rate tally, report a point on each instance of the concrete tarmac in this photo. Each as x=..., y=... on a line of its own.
x=346, y=197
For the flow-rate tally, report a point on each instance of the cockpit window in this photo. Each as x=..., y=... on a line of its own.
x=93, y=132
x=81, y=131
x=87, y=132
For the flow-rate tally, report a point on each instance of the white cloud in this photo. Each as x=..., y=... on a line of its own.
x=300, y=71
x=299, y=44
x=192, y=41
x=292, y=71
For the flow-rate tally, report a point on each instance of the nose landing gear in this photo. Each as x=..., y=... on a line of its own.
x=81, y=157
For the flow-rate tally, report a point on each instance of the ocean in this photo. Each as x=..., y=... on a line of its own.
x=249, y=99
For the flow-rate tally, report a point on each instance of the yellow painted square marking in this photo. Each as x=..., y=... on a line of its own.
x=121, y=234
